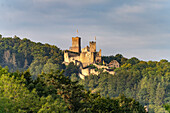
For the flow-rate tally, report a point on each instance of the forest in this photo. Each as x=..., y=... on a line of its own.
x=33, y=79
x=146, y=82
x=22, y=54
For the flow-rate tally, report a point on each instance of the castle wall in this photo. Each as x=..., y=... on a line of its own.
x=86, y=49
x=85, y=72
x=71, y=57
x=100, y=66
x=66, y=57
x=92, y=71
x=92, y=58
x=74, y=58
x=81, y=76
x=83, y=57
x=87, y=58
x=98, y=59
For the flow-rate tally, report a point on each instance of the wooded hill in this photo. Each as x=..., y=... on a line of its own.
x=22, y=54
x=146, y=82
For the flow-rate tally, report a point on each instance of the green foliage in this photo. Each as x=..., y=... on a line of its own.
x=71, y=69
x=15, y=96
x=117, y=57
x=147, y=82
x=167, y=107
x=6, y=105
x=54, y=93
x=133, y=61
x=53, y=106
x=71, y=92
x=80, y=100
x=119, y=104
x=21, y=100
x=22, y=54
x=74, y=77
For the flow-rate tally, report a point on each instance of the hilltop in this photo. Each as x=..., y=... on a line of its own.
x=21, y=54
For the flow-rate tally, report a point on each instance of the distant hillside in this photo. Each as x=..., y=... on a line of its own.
x=21, y=54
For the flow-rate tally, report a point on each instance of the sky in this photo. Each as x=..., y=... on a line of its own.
x=133, y=28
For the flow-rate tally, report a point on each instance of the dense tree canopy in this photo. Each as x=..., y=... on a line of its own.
x=22, y=54
x=53, y=93
x=147, y=82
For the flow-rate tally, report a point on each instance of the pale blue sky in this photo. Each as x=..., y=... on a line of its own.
x=139, y=28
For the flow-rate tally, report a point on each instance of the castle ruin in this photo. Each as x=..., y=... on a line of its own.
x=84, y=56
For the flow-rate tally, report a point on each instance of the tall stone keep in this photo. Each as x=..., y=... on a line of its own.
x=76, y=44
x=92, y=46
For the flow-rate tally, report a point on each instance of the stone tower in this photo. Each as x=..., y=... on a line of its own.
x=92, y=46
x=76, y=44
